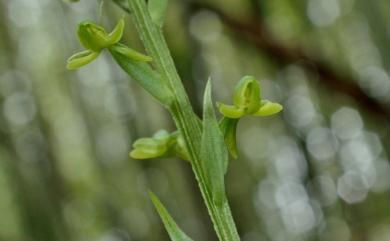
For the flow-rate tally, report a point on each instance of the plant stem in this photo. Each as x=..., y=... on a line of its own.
x=186, y=120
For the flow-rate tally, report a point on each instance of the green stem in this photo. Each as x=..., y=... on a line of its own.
x=186, y=120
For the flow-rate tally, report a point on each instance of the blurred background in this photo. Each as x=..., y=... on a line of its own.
x=317, y=171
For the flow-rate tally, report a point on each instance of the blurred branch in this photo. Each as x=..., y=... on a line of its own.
x=122, y=4
x=255, y=33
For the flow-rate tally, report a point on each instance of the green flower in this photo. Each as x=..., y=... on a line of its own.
x=94, y=38
x=162, y=144
x=247, y=101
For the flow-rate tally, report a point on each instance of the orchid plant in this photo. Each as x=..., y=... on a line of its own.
x=204, y=142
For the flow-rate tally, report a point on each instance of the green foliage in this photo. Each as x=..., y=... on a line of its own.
x=214, y=153
x=204, y=143
x=146, y=77
x=175, y=233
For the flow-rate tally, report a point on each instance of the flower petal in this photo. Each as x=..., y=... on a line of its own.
x=230, y=111
x=268, y=108
x=81, y=58
x=130, y=53
x=117, y=33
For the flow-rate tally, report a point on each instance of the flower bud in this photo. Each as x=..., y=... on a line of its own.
x=162, y=144
x=94, y=37
x=145, y=148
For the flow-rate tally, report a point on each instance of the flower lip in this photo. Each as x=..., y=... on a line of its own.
x=247, y=94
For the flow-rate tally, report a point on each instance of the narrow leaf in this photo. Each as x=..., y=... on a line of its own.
x=175, y=233
x=214, y=154
x=157, y=10
x=149, y=79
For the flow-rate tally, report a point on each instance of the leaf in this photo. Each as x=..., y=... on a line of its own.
x=175, y=233
x=228, y=128
x=81, y=58
x=157, y=10
x=214, y=154
x=149, y=79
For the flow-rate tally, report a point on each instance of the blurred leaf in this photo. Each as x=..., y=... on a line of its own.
x=157, y=11
x=175, y=233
